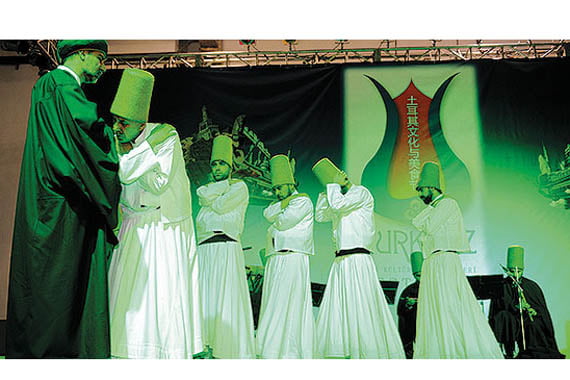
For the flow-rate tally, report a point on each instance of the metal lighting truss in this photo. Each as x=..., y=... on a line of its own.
x=47, y=48
x=339, y=55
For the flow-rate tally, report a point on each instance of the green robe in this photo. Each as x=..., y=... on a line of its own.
x=63, y=235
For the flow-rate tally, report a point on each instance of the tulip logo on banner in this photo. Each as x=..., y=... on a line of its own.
x=413, y=136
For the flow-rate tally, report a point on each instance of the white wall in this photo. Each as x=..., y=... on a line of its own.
x=15, y=89
x=138, y=46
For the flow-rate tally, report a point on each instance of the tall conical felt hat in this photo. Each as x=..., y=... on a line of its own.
x=222, y=149
x=515, y=257
x=325, y=171
x=429, y=177
x=416, y=259
x=132, y=100
x=281, y=173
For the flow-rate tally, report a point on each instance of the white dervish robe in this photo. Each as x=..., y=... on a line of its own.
x=286, y=324
x=450, y=322
x=226, y=304
x=153, y=277
x=354, y=320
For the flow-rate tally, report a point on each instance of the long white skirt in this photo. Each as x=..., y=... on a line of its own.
x=154, y=295
x=450, y=322
x=226, y=303
x=354, y=320
x=286, y=324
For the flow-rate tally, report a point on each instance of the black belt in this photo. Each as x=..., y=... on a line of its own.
x=352, y=251
x=217, y=239
x=445, y=250
x=154, y=207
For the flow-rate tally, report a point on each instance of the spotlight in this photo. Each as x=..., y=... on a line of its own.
x=291, y=43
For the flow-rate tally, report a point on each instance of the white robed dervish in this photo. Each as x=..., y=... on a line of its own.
x=450, y=322
x=154, y=296
x=286, y=323
x=354, y=319
x=226, y=304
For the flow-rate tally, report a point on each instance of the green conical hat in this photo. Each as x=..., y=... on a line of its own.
x=515, y=257
x=222, y=149
x=429, y=177
x=325, y=171
x=132, y=100
x=67, y=47
x=281, y=173
x=416, y=259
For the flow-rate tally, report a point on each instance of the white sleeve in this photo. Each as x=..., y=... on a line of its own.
x=345, y=204
x=207, y=194
x=323, y=212
x=447, y=211
x=422, y=219
x=230, y=200
x=297, y=210
x=272, y=211
x=151, y=170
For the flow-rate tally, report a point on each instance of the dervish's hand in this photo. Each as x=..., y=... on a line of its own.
x=123, y=148
x=159, y=135
x=285, y=202
x=531, y=312
x=341, y=178
x=410, y=302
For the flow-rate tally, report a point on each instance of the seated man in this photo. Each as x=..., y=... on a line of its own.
x=408, y=306
x=521, y=296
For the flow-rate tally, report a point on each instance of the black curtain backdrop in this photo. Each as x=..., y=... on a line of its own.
x=523, y=105
x=293, y=108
